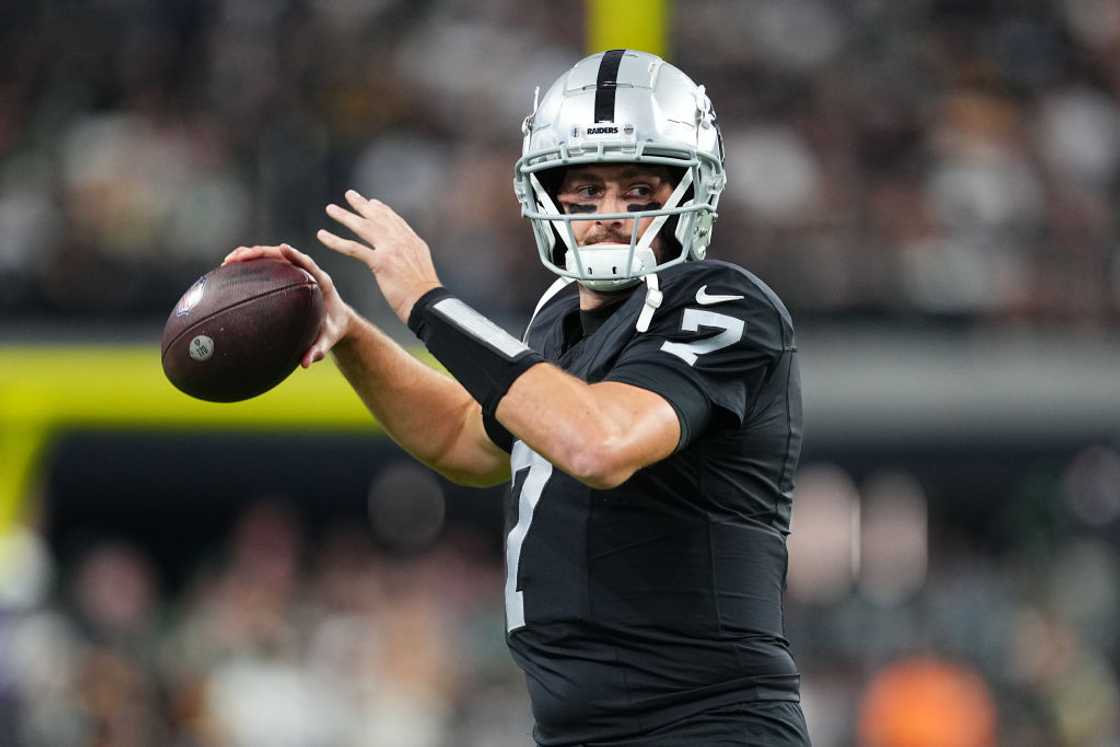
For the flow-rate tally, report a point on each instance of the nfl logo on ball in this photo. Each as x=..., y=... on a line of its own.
x=191, y=299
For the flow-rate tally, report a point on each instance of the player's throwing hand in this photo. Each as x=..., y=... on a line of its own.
x=398, y=258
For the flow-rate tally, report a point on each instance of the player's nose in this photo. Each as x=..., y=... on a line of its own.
x=612, y=202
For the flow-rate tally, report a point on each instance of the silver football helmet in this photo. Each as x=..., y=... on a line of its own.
x=622, y=106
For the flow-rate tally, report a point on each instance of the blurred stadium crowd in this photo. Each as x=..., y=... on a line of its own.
x=387, y=631
x=274, y=642
x=944, y=158
x=909, y=162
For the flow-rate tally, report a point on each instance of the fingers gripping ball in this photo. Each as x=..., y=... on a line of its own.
x=241, y=329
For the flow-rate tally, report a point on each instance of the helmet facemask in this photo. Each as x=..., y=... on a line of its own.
x=607, y=266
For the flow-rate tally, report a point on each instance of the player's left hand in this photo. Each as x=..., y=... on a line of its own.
x=338, y=317
x=399, y=259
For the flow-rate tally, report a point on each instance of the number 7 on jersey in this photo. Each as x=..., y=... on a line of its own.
x=692, y=321
x=540, y=469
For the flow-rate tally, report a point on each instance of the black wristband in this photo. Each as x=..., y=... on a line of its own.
x=497, y=432
x=481, y=356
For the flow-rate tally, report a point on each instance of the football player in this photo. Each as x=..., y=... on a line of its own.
x=650, y=419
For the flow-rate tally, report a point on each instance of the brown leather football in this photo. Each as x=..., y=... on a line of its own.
x=241, y=329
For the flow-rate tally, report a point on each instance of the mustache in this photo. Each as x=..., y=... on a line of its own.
x=606, y=236
x=610, y=233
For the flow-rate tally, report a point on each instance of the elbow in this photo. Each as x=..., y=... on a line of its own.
x=457, y=477
x=599, y=465
x=475, y=479
x=472, y=477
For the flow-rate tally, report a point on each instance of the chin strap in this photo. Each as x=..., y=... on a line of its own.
x=651, y=304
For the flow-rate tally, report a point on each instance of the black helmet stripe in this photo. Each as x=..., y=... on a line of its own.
x=606, y=84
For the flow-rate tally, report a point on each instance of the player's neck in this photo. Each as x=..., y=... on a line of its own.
x=589, y=300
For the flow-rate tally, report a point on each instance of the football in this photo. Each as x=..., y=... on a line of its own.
x=241, y=329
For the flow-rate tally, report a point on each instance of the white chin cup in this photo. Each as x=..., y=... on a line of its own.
x=603, y=266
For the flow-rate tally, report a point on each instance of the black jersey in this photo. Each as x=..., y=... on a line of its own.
x=633, y=607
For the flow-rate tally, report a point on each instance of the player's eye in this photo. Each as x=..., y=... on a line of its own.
x=578, y=199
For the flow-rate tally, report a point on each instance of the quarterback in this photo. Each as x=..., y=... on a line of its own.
x=649, y=419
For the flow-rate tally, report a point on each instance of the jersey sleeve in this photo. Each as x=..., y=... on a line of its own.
x=706, y=359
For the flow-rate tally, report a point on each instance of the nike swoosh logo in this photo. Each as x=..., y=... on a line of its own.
x=704, y=299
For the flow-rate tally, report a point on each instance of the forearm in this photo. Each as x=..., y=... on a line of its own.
x=598, y=433
x=425, y=412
